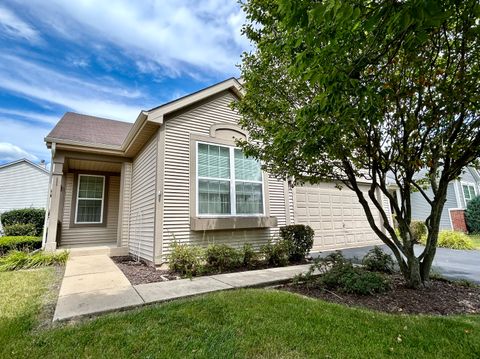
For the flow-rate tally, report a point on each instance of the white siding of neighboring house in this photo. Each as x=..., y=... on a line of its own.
x=142, y=203
x=23, y=186
x=421, y=209
x=176, y=220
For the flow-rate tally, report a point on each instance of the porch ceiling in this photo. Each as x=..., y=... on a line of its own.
x=88, y=165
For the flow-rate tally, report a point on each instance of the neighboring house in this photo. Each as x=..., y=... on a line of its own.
x=459, y=193
x=23, y=184
x=176, y=175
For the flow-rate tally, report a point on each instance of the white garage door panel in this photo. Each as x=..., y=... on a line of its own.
x=335, y=215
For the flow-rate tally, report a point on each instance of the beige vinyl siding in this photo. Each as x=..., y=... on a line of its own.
x=90, y=235
x=142, y=204
x=125, y=193
x=176, y=199
x=276, y=189
x=23, y=186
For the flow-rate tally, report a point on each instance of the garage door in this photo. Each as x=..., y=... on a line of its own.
x=335, y=215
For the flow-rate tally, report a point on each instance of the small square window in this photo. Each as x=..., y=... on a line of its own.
x=90, y=196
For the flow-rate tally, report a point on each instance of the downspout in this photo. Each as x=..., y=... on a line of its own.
x=49, y=196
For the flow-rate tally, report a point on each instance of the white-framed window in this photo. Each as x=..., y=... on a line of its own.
x=469, y=191
x=90, y=197
x=228, y=183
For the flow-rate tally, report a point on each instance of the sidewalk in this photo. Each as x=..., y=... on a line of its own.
x=93, y=284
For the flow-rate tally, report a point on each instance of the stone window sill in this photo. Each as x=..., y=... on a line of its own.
x=215, y=224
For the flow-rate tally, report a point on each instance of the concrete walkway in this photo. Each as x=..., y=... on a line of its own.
x=93, y=284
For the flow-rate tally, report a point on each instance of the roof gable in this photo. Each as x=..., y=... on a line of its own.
x=26, y=162
x=123, y=138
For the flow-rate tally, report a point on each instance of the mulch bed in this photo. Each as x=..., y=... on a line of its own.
x=441, y=297
x=139, y=272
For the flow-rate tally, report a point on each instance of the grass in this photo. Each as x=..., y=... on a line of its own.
x=476, y=240
x=15, y=260
x=244, y=323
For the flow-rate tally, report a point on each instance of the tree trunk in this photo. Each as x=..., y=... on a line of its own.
x=413, y=275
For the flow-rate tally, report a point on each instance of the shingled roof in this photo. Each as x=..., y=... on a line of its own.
x=89, y=129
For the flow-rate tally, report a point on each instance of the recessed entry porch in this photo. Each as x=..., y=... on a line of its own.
x=90, y=205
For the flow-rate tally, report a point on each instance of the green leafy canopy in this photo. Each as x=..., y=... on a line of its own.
x=373, y=91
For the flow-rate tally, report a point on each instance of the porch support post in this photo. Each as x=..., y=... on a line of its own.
x=55, y=197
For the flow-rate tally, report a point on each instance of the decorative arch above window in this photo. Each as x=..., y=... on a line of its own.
x=228, y=131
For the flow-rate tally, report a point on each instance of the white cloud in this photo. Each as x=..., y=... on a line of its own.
x=10, y=152
x=30, y=115
x=205, y=34
x=35, y=81
x=12, y=25
x=24, y=136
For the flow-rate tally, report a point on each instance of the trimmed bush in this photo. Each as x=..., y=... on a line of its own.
x=377, y=260
x=361, y=282
x=250, y=256
x=36, y=216
x=186, y=260
x=16, y=260
x=299, y=239
x=336, y=272
x=20, y=229
x=472, y=215
x=419, y=229
x=19, y=243
x=220, y=257
x=452, y=240
x=276, y=254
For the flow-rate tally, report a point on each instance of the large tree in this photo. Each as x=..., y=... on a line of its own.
x=359, y=91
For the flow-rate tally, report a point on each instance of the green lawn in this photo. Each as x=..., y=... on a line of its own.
x=476, y=240
x=245, y=323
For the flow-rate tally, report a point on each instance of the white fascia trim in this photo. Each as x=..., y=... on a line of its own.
x=456, y=188
x=158, y=114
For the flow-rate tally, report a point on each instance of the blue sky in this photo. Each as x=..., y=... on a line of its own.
x=108, y=58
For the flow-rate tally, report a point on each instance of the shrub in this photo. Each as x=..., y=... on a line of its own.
x=377, y=260
x=185, y=259
x=472, y=215
x=299, y=238
x=362, y=282
x=220, y=257
x=36, y=216
x=20, y=229
x=418, y=229
x=250, y=257
x=452, y=240
x=19, y=243
x=336, y=272
x=276, y=254
x=16, y=260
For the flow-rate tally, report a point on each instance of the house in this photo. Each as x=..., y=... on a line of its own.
x=175, y=175
x=23, y=184
x=459, y=193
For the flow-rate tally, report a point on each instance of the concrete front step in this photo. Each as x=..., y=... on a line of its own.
x=111, y=251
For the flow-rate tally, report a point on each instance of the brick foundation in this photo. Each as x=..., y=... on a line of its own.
x=458, y=220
